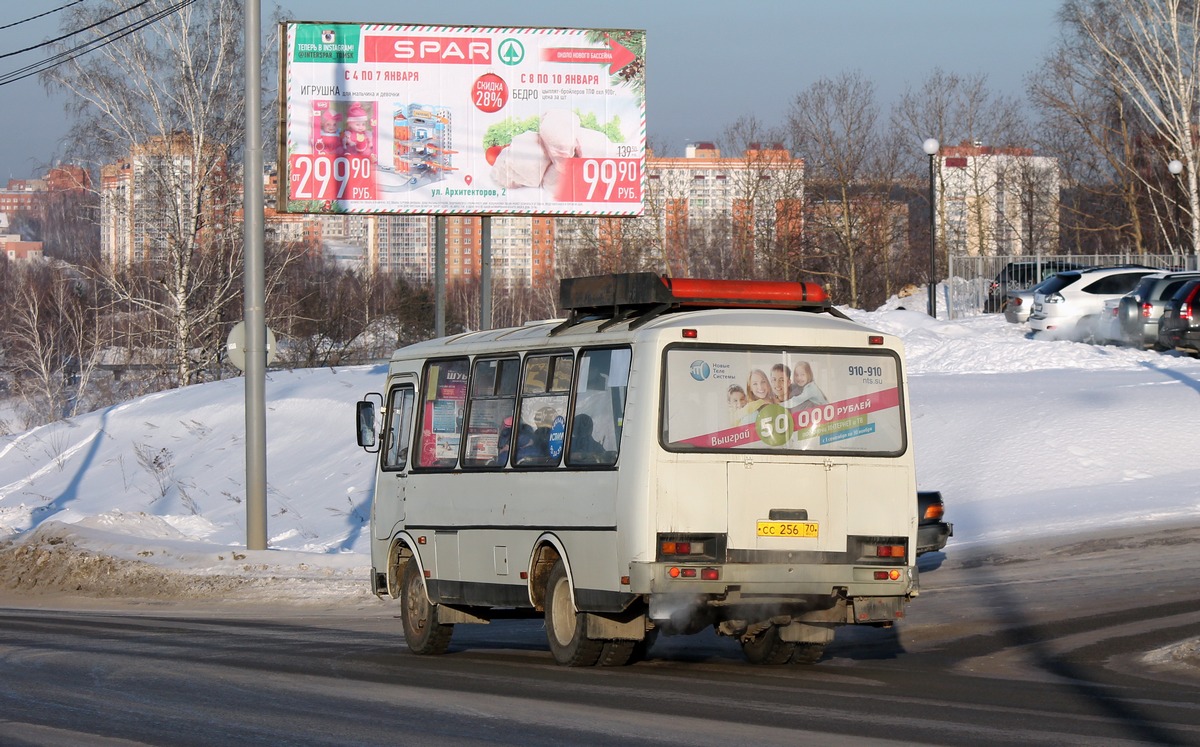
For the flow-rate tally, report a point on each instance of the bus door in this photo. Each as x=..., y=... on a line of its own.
x=389, y=508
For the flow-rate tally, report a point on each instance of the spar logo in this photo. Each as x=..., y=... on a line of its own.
x=700, y=370
x=511, y=52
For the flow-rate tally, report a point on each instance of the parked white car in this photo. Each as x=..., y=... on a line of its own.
x=1068, y=305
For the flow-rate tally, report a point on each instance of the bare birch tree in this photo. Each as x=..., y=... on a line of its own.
x=1150, y=52
x=1092, y=127
x=168, y=97
x=51, y=339
x=851, y=165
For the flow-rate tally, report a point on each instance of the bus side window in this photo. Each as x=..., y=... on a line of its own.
x=443, y=403
x=599, y=407
x=490, y=412
x=542, y=425
x=398, y=433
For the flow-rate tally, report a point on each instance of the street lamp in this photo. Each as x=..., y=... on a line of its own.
x=1175, y=166
x=931, y=148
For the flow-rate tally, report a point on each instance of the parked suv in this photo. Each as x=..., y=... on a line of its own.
x=1180, y=323
x=1140, y=310
x=1021, y=275
x=1069, y=305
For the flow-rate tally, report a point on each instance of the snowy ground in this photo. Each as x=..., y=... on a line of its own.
x=1023, y=437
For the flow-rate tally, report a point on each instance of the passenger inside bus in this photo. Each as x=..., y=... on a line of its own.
x=584, y=447
x=502, y=445
x=530, y=448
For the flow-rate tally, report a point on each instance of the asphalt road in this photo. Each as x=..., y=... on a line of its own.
x=1035, y=643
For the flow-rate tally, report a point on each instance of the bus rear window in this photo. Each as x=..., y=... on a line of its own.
x=782, y=400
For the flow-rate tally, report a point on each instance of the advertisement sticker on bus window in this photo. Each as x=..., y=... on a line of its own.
x=557, y=433
x=785, y=399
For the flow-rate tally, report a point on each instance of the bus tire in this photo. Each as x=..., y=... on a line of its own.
x=566, y=629
x=768, y=648
x=422, y=631
x=616, y=653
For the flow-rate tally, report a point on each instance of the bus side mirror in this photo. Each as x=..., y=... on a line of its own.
x=365, y=417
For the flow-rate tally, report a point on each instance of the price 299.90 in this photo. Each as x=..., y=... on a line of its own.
x=314, y=177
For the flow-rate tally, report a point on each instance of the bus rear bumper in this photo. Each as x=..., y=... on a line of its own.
x=839, y=594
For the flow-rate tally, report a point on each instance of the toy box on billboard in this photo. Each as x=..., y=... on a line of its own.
x=483, y=120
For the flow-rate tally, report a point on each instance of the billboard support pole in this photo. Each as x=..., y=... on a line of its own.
x=254, y=287
x=439, y=276
x=485, y=272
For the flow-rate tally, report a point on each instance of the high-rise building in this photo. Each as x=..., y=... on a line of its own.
x=704, y=202
x=160, y=194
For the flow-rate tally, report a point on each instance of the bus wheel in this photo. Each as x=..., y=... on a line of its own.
x=767, y=648
x=566, y=629
x=617, y=653
x=422, y=631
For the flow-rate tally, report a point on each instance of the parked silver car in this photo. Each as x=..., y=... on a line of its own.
x=1142, y=309
x=1019, y=304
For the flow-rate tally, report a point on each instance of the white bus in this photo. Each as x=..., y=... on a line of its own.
x=676, y=455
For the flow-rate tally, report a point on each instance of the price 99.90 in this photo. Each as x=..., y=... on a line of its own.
x=603, y=180
x=313, y=177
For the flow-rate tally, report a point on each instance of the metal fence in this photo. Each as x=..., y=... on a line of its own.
x=966, y=294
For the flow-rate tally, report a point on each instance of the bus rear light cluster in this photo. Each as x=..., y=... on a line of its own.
x=892, y=575
x=687, y=547
x=882, y=550
x=704, y=574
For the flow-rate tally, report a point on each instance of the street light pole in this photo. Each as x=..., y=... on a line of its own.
x=1175, y=166
x=931, y=149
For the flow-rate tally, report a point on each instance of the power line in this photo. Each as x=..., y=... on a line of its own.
x=93, y=45
x=39, y=15
x=48, y=42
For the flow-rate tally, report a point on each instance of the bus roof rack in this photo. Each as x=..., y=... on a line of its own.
x=639, y=297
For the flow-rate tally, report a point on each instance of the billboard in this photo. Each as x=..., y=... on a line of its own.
x=462, y=120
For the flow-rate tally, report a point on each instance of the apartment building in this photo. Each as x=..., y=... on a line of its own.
x=996, y=201
x=151, y=198
x=705, y=201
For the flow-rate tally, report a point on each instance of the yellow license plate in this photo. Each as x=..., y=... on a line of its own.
x=787, y=529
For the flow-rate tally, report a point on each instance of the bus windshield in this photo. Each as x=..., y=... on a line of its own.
x=782, y=400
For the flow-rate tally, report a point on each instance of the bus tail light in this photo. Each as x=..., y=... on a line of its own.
x=885, y=551
x=689, y=547
x=892, y=575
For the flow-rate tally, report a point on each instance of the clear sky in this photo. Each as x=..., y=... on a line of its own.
x=708, y=63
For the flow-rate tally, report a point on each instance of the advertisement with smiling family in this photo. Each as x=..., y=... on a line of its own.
x=806, y=400
x=462, y=120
